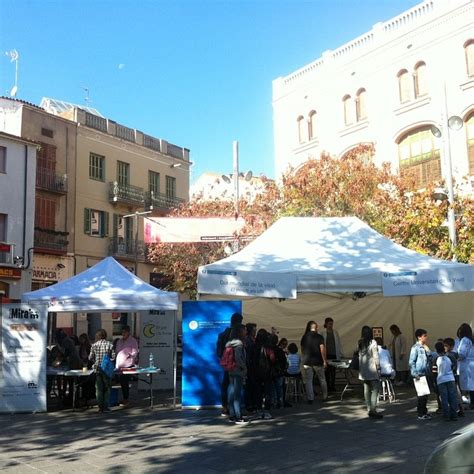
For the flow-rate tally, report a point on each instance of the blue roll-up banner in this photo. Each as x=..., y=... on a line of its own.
x=202, y=374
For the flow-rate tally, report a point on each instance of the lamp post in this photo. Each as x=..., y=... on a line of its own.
x=135, y=223
x=448, y=123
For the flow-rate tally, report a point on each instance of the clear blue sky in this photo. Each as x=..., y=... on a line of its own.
x=197, y=73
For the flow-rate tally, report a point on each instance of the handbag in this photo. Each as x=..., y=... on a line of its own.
x=107, y=366
x=354, y=363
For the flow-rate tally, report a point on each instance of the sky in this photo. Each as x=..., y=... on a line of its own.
x=197, y=73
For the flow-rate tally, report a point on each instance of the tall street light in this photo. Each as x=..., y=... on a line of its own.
x=448, y=123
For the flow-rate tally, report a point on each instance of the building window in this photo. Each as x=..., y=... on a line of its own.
x=123, y=173
x=470, y=142
x=122, y=228
x=404, y=85
x=3, y=159
x=46, y=158
x=97, y=167
x=3, y=227
x=300, y=123
x=96, y=223
x=154, y=182
x=469, y=50
x=346, y=100
x=312, y=125
x=361, y=108
x=419, y=156
x=421, y=83
x=46, y=132
x=170, y=187
x=45, y=213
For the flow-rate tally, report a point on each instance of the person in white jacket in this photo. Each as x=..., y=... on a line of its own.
x=333, y=351
x=399, y=351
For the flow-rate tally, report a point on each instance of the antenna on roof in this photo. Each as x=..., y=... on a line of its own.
x=14, y=57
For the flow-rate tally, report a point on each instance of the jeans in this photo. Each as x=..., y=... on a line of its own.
x=371, y=394
x=309, y=371
x=224, y=388
x=103, y=385
x=234, y=394
x=125, y=384
x=279, y=390
x=421, y=405
x=449, y=399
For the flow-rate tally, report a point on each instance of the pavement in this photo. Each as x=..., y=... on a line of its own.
x=333, y=436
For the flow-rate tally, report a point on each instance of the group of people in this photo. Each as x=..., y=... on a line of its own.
x=72, y=354
x=257, y=363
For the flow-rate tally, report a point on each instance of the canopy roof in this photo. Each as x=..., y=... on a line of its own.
x=310, y=254
x=107, y=286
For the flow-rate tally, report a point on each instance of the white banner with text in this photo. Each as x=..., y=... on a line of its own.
x=427, y=282
x=240, y=283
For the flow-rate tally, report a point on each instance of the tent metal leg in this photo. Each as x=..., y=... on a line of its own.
x=175, y=357
x=412, y=311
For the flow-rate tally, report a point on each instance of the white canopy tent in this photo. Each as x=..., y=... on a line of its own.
x=106, y=287
x=306, y=268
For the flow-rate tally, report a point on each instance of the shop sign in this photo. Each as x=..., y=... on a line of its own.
x=5, y=247
x=48, y=275
x=9, y=272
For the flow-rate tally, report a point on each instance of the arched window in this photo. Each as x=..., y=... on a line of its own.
x=469, y=50
x=361, y=108
x=421, y=81
x=312, y=125
x=404, y=85
x=346, y=100
x=300, y=122
x=470, y=142
x=419, y=155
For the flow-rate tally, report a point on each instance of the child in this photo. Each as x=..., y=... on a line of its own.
x=385, y=360
x=294, y=360
x=453, y=356
x=446, y=384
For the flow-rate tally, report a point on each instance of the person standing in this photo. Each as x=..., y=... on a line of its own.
x=222, y=339
x=332, y=342
x=398, y=348
x=127, y=356
x=238, y=374
x=103, y=383
x=369, y=370
x=249, y=391
x=466, y=361
x=314, y=360
x=420, y=366
x=446, y=384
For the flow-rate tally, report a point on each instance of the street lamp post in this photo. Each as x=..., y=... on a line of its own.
x=135, y=223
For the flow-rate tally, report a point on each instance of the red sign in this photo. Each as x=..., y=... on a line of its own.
x=9, y=272
x=5, y=247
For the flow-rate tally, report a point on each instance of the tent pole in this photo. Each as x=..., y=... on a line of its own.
x=175, y=358
x=412, y=311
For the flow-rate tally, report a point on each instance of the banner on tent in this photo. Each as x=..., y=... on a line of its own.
x=202, y=373
x=157, y=338
x=238, y=283
x=426, y=282
x=23, y=372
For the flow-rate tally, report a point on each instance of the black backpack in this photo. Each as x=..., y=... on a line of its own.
x=222, y=340
x=264, y=368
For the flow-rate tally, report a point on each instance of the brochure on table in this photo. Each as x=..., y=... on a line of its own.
x=157, y=334
x=23, y=368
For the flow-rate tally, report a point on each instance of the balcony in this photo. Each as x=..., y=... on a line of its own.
x=49, y=181
x=125, y=248
x=50, y=241
x=161, y=201
x=126, y=194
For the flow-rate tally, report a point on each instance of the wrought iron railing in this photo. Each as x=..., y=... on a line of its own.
x=125, y=248
x=128, y=194
x=158, y=200
x=47, y=179
x=50, y=239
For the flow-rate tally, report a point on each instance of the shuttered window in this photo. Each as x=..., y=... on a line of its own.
x=97, y=167
x=154, y=182
x=96, y=223
x=123, y=173
x=45, y=213
x=170, y=187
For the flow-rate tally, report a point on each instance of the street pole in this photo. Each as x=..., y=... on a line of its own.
x=449, y=175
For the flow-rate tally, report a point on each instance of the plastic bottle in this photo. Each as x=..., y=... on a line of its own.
x=150, y=361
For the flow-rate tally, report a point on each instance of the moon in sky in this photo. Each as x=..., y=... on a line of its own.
x=148, y=330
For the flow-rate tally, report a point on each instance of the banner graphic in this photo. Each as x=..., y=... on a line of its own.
x=202, y=373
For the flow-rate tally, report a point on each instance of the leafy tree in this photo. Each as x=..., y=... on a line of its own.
x=349, y=186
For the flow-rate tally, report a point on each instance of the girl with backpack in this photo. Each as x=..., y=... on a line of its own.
x=237, y=372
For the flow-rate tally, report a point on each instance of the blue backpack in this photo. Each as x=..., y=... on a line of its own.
x=107, y=367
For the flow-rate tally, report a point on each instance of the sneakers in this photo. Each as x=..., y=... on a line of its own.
x=242, y=421
x=425, y=417
x=124, y=403
x=225, y=412
x=375, y=414
x=232, y=419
